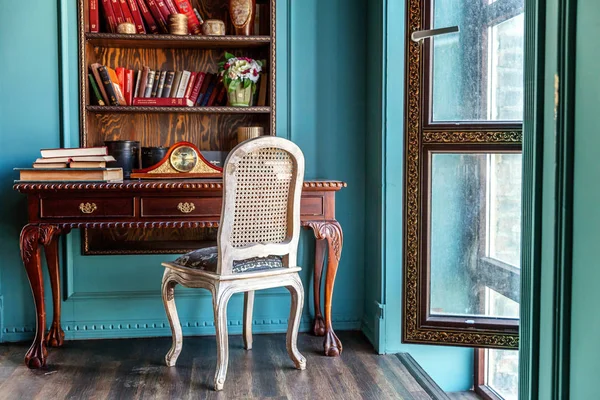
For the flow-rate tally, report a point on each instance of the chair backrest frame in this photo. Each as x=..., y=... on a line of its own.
x=228, y=252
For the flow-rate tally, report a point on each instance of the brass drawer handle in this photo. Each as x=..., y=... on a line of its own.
x=186, y=208
x=88, y=208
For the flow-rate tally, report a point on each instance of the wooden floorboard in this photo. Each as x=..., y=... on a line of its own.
x=135, y=369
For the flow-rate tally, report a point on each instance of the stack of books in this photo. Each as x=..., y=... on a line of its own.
x=75, y=164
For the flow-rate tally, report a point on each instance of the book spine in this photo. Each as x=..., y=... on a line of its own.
x=126, y=12
x=152, y=26
x=185, y=78
x=137, y=16
x=136, y=89
x=94, y=17
x=110, y=16
x=129, y=86
x=116, y=6
x=94, y=69
x=143, y=82
x=150, y=83
x=214, y=94
x=171, y=7
x=161, y=102
x=197, y=85
x=108, y=86
x=155, y=84
x=222, y=97
x=164, y=10
x=209, y=77
x=175, y=85
x=95, y=91
x=190, y=85
x=121, y=77
x=115, y=83
x=161, y=84
x=185, y=7
x=208, y=93
x=158, y=16
x=169, y=77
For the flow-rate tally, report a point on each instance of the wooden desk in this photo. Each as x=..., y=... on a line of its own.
x=55, y=208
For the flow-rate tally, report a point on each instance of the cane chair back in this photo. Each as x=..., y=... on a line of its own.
x=260, y=217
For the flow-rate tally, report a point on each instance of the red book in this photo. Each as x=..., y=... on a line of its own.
x=137, y=16
x=117, y=11
x=160, y=19
x=121, y=77
x=197, y=85
x=126, y=12
x=190, y=85
x=147, y=16
x=164, y=10
x=129, y=86
x=185, y=7
x=110, y=16
x=161, y=102
x=171, y=7
x=222, y=97
x=94, y=17
x=214, y=94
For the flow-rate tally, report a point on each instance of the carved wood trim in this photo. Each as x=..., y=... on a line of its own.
x=330, y=230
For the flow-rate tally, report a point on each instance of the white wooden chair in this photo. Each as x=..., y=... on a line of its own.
x=257, y=245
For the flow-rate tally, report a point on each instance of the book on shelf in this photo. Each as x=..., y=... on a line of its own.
x=175, y=85
x=137, y=16
x=70, y=174
x=128, y=86
x=190, y=85
x=109, y=14
x=159, y=17
x=96, y=91
x=94, y=16
x=155, y=83
x=150, y=83
x=185, y=78
x=74, y=152
x=207, y=79
x=197, y=85
x=169, y=77
x=161, y=84
x=147, y=15
x=143, y=82
x=209, y=90
x=262, y=89
x=94, y=68
x=171, y=7
x=215, y=92
x=117, y=86
x=116, y=7
x=126, y=12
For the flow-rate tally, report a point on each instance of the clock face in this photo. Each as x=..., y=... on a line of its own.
x=184, y=159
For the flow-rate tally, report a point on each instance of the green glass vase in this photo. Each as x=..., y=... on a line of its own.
x=240, y=97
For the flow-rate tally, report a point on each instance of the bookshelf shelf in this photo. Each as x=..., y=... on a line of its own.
x=175, y=41
x=191, y=110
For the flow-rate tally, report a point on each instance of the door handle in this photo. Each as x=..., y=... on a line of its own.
x=417, y=36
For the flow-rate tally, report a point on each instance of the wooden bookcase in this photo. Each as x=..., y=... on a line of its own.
x=210, y=128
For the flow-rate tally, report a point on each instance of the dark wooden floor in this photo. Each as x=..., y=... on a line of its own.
x=134, y=369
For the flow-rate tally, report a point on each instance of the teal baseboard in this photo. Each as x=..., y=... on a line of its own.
x=368, y=331
x=158, y=328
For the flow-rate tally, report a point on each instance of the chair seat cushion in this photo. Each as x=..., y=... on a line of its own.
x=206, y=259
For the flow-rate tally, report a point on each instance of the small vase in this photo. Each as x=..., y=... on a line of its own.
x=242, y=16
x=240, y=97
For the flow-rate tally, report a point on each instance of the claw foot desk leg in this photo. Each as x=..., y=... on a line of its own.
x=331, y=232
x=32, y=236
x=319, y=327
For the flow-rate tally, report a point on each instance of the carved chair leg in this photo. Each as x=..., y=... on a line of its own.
x=168, y=296
x=221, y=296
x=248, y=308
x=55, y=336
x=319, y=326
x=291, y=339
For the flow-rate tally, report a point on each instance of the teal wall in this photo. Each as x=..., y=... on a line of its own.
x=450, y=367
x=321, y=106
x=585, y=319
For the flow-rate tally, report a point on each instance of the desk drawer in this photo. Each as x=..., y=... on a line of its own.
x=311, y=206
x=181, y=206
x=85, y=207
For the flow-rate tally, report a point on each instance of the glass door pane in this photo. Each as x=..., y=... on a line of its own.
x=474, y=234
x=477, y=74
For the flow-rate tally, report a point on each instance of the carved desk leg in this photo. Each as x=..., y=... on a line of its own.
x=55, y=336
x=331, y=231
x=32, y=236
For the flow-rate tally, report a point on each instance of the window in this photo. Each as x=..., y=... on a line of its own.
x=462, y=208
